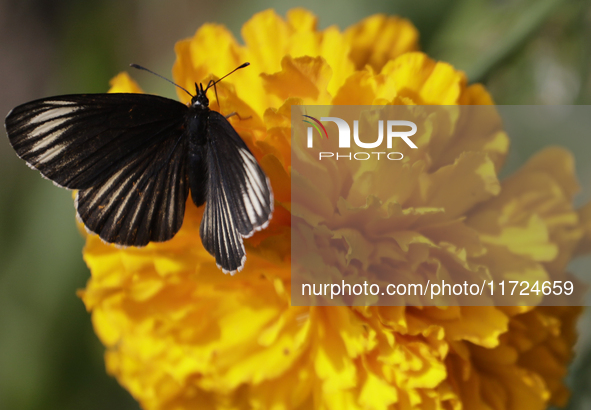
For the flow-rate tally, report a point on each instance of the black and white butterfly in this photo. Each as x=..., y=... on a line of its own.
x=135, y=157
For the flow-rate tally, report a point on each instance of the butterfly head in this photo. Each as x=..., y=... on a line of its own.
x=200, y=99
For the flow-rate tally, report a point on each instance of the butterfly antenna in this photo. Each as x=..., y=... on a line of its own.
x=236, y=69
x=213, y=83
x=139, y=67
x=216, y=97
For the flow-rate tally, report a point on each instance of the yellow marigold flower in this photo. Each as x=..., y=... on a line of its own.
x=181, y=335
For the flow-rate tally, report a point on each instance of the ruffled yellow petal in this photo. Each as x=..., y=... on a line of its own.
x=123, y=83
x=379, y=39
x=472, y=177
x=425, y=81
x=304, y=77
x=266, y=51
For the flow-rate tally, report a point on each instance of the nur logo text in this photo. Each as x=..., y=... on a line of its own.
x=390, y=131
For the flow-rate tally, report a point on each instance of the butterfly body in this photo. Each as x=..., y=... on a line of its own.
x=196, y=122
x=134, y=159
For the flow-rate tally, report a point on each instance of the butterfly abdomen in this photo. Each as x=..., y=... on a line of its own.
x=196, y=133
x=197, y=169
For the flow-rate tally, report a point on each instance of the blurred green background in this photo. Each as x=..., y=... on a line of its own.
x=524, y=51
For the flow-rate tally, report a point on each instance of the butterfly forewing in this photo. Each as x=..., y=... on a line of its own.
x=125, y=152
x=78, y=141
x=239, y=198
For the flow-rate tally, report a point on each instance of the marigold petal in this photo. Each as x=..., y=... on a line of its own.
x=123, y=83
x=531, y=240
x=304, y=77
x=359, y=89
x=478, y=183
x=425, y=81
x=559, y=163
x=481, y=325
x=335, y=49
x=380, y=38
x=376, y=393
x=266, y=51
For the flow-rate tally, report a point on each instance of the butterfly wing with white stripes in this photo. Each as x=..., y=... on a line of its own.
x=124, y=152
x=239, y=198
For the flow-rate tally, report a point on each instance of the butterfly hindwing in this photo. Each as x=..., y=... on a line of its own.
x=126, y=153
x=239, y=198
